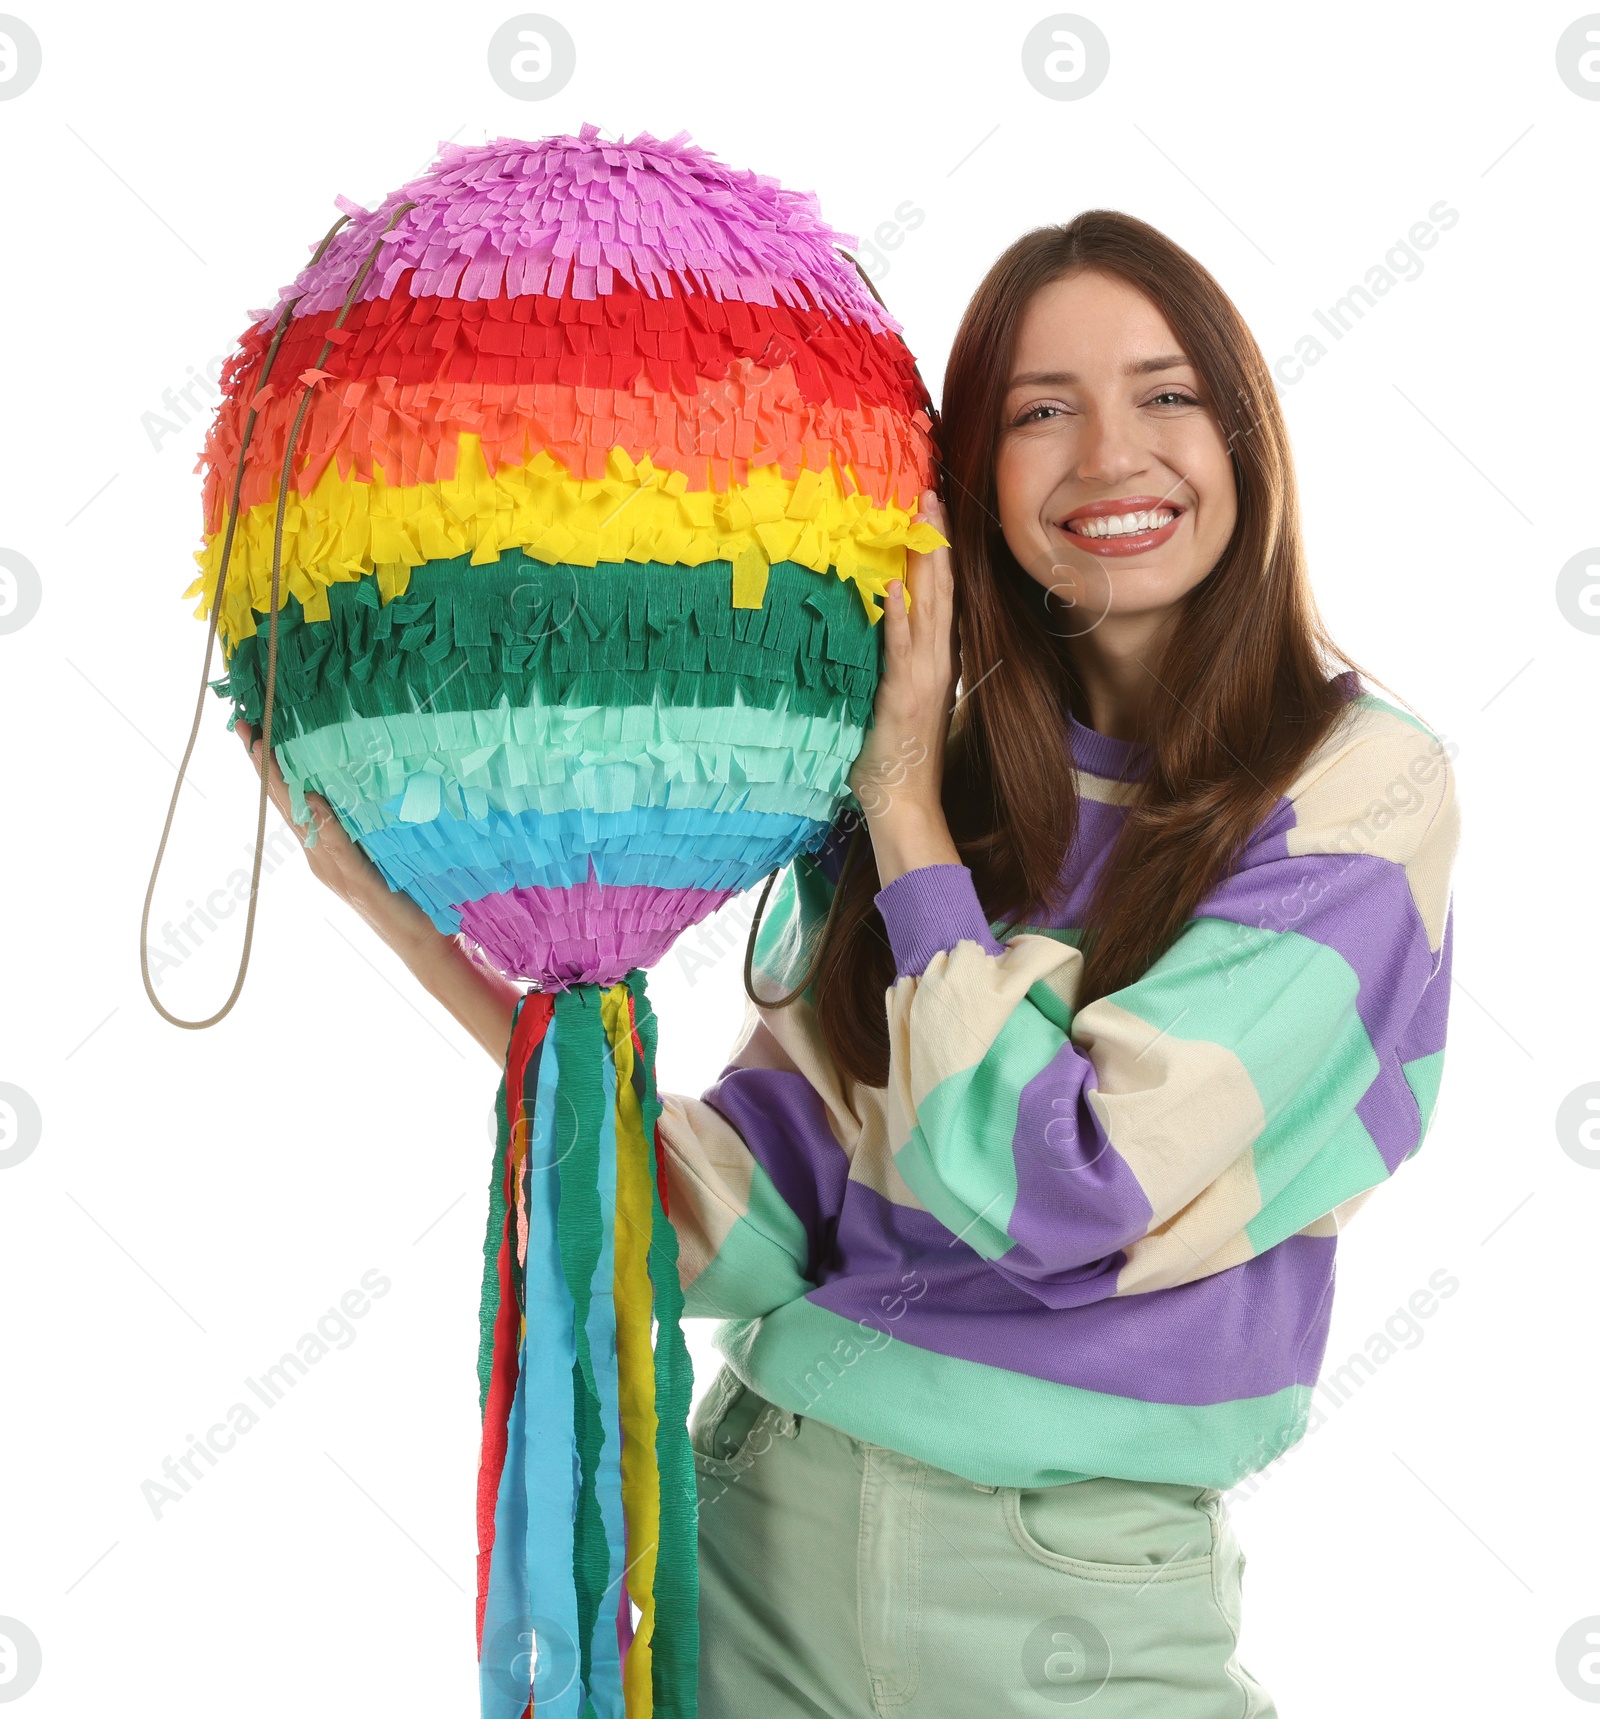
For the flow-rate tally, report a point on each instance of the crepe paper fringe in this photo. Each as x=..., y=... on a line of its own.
x=605, y=1677
x=584, y=933
x=527, y=1536
x=463, y=637
x=695, y=779
x=406, y=433
x=677, y=1576
x=636, y=513
x=514, y=217
x=453, y=878
x=579, y=1119
x=641, y=1474
x=569, y=1150
x=526, y=1599
x=681, y=776
x=678, y=344
x=376, y=770
x=447, y=870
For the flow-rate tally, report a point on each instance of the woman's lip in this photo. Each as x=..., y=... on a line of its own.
x=1132, y=543
x=1120, y=504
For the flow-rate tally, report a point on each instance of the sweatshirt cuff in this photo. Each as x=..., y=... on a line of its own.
x=929, y=911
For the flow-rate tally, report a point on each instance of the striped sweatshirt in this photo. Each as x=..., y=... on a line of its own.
x=1065, y=1242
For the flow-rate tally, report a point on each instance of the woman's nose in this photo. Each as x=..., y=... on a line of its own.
x=1108, y=447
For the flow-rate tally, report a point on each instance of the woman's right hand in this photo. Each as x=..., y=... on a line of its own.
x=338, y=862
x=481, y=999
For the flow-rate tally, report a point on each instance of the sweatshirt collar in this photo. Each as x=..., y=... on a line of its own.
x=1128, y=760
x=1102, y=755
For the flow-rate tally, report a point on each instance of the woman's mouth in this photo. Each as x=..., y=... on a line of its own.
x=1125, y=525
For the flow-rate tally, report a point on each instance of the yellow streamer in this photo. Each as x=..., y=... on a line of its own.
x=636, y=1377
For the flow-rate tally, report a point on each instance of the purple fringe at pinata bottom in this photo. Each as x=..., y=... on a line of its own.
x=587, y=934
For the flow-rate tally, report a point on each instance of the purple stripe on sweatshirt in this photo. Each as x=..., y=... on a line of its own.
x=881, y=1239
x=782, y=1120
x=1388, y=1112
x=1244, y=1332
x=1098, y=825
x=1425, y=1032
x=1076, y=1195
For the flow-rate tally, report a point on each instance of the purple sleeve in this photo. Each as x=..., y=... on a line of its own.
x=929, y=911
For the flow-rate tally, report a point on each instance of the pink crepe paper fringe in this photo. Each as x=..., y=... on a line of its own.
x=513, y=217
x=589, y=934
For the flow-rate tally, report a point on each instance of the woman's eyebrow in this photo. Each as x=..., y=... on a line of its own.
x=1141, y=367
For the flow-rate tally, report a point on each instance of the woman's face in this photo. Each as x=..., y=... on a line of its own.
x=1105, y=418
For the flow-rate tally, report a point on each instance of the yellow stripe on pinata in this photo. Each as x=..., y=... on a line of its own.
x=347, y=529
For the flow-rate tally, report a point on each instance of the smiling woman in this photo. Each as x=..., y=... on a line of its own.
x=1147, y=996
x=1019, y=1197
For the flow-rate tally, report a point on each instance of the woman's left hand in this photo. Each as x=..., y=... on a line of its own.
x=899, y=773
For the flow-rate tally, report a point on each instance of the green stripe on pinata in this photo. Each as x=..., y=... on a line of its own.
x=620, y=633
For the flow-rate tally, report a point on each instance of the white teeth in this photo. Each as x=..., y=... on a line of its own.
x=1121, y=524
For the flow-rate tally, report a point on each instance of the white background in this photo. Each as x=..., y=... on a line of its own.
x=198, y=1200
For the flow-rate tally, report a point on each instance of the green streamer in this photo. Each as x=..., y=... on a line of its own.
x=675, y=1644
x=580, y=1115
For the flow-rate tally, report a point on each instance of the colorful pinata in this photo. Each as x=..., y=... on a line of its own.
x=578, y=469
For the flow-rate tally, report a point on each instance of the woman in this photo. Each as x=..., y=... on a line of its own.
x=1128, y=988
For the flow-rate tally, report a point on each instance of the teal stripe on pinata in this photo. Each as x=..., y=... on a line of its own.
x=551, y=758
x=448, y=862
x=462, y=637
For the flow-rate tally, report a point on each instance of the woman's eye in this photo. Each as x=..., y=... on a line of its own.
x=1176, y=395
x=1033, y=414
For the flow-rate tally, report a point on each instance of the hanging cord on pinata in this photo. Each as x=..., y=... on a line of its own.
x=586, y=1488
x=309, y=378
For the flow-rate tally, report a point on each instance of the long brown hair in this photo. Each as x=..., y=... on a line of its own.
x=1241, y=692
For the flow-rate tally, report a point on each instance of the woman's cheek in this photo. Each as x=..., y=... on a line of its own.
x=1020, y=494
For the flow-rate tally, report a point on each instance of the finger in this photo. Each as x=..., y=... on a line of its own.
x=277, y=787
x=943, y=577
x=931, y=579
x=897, y=625
x=932, y=613
x=944, y=582
x=327, y=821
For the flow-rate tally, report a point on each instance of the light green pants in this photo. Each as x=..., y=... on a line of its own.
x=841, y=1580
